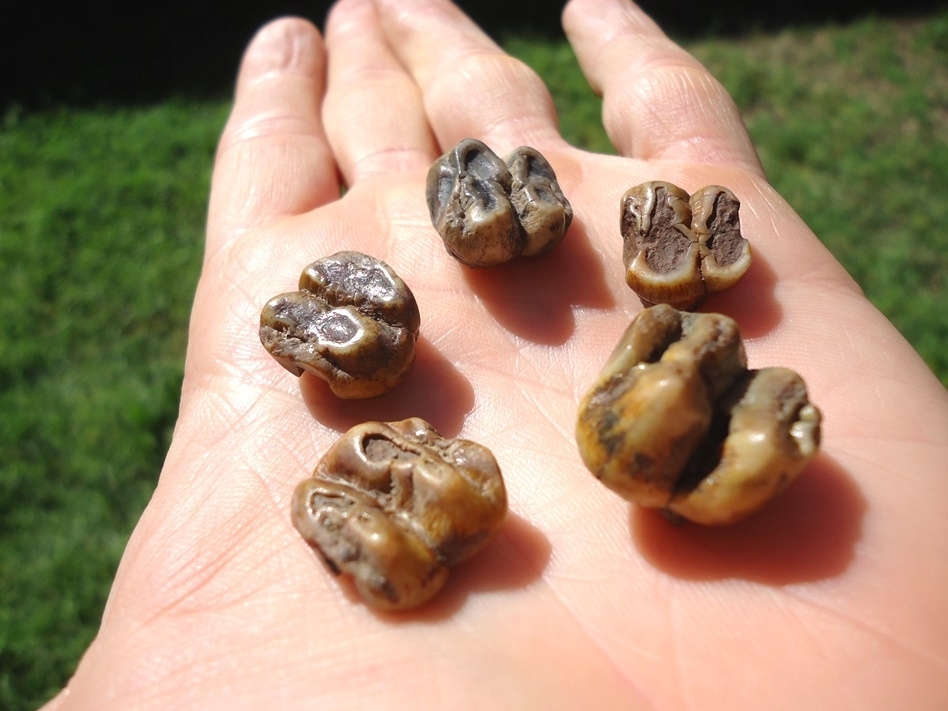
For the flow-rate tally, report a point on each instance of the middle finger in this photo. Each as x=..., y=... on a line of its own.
x=373, y=111
x=471, y=87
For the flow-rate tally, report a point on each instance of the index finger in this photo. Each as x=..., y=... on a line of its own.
x=659, y=103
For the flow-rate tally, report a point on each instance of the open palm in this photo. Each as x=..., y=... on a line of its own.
x=831, y=598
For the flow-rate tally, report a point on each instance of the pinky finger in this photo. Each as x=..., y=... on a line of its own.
x=273, y=159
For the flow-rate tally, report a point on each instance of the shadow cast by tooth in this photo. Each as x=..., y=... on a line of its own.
x=808, y=533
x=433, y=390
x=533, y=297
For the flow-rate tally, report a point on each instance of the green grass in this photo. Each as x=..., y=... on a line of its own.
x=101, y=222
x=101, y=228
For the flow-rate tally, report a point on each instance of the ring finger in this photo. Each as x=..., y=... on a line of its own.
x=486, y=93
x=373, y=111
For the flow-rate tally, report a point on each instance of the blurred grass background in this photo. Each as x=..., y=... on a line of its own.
x=101, y=226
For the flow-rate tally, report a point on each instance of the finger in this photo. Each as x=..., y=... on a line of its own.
x=273, y=159
x=659, y=103
x=471, y=87
x=373, y=111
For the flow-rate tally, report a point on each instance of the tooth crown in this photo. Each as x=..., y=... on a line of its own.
x=394, y=505
x=676, y=420
x=679, y=249
x=353, y=322
x=489, y=210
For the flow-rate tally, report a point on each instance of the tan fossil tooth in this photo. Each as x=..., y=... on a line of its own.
x=676, y=421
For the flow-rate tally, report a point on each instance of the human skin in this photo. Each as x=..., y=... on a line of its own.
x=832, y=597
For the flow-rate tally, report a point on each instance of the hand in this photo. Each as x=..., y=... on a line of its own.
x=833, y=597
